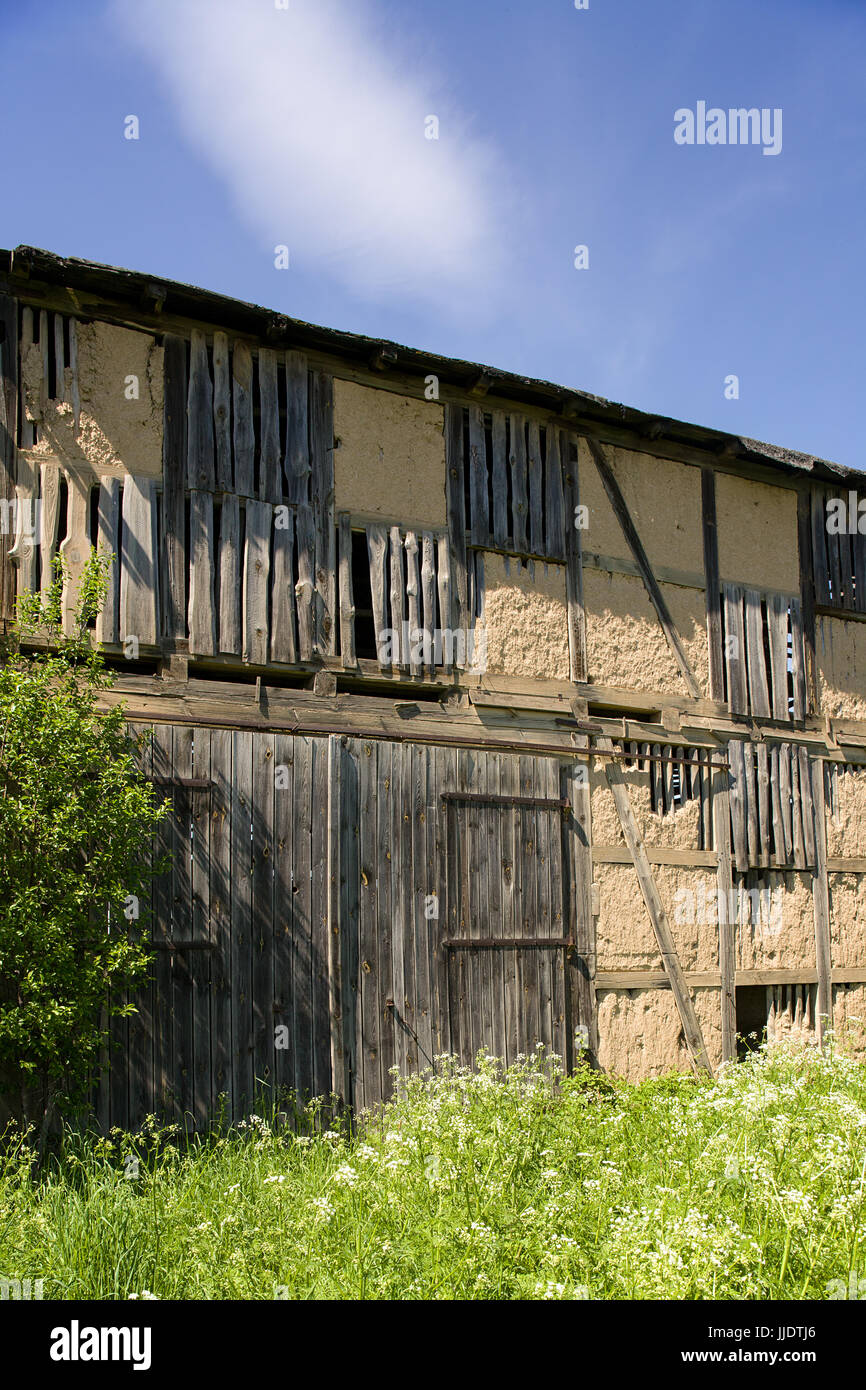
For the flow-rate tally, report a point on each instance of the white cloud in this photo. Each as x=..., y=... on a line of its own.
x=314, y=118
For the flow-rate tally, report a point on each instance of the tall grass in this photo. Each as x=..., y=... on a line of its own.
x=491, y=1183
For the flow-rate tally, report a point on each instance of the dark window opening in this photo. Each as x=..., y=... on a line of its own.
x=751, y=1006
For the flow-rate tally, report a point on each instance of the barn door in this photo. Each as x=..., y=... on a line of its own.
x=509, y=950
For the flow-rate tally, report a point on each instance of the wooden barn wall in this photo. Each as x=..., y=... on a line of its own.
x=279, y=844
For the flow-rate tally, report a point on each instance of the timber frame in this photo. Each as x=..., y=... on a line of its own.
x=254, y=596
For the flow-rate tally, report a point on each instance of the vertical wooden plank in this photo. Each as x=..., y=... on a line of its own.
x=668, y=778
x=399, y=1016
x=713, y=586
x=456, y=507
x=242, y=922
x=163, y=1034
x=322, y=1078
x=508, y=845
x=230, y=575
x=797, y=811
x=377, y=549
x=138, y=594
x=529, y=905
x=385, y=916
x=535, y=478
x=262, y=995
x=577, y=832
x=727, y=930
x=738, y=817
x=444, y=593
x=49, y=516
x=173, y=586
x=367, y=1046
x=257, y=568
x=23, y=551
x=735, y=649
x=46, y=347
x=799, y=660
x=200, y=961
x=519, y=484
x=202, y=619
x=220, y=928
x=555, y=503
x=759, y=697
x=574, y=565
x=428, y=598
x=785, y=799
x=59, y=358
x=821, y=903
x=750, y=793
x=397, y=594
x=182, y=1076
x=270, y=463
x=424, y=901
x=305, y=587
x=284, y=898
x=75, y=546
x=413, y=603
x=777, y=622
x=336, y=926
x=222, y=425
x=302, y=908
x=283, y=642
x=807, y=599
x=776, y=803
x=243, y=438
x=499, y=479
x=347, y=597
x=820, y=560
x=479, y=528
x=8, y=438
x=200, y=407
x=141, y=1023
x=108, y=519
x=73, y=391
x=297, y=457
x=764, y=812
x=322, y=483
x=807, y=796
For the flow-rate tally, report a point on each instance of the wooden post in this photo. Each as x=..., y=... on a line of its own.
x=657, y=915
x=577, y=881
x=821, y=903
x=713, y=591
x=456, y=503
x=574, y=565
x=727, y=929
x=174, y=618
x=347, y=598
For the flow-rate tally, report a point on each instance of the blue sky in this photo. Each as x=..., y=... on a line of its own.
x=304, y=127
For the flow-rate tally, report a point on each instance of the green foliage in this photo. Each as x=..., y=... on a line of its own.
x=487, y=1184
x=76, y=821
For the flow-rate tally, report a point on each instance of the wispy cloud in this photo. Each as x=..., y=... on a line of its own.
x=315, y=120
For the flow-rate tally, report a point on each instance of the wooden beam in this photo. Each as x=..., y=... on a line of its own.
x=655, y=910
x=711, y=979
x=574, y=565
x=720, y=800
x=821, y=904
x=617, y=501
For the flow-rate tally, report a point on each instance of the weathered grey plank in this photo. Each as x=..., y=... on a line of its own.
x=257, y=569
x=713, y=585
x=443, y=588
x=49, y=516
x=397, y=595
x=199, y=962
x=108, y=520
x=785, y=798
x=347, y=598
x=777, y=621
x=478, y=478
x=242, y=921
x=230, y=575
x=499, y=478
x=297, y=457
x=776, y=802
x=806, y=799
x=283, y=640
x=821, y=904
x=413, y=604
x=797, y=811
x=304, y=589
x=764, y=824
x=737, y=803
x=336, y=924
x=821, y=566
x=535, y=479
x=270, y=463
x=301, y=900
x=735, y=649
x=751, y=794
x=519, y=484
x=138, y=584
x=263, y=906
x=220, y=913
x=222, y=425
x=456, y=508
x=174, y=488
x=322, y=485
x=727, y=930
x=807, y=599
x=759, y=695
x=243, y=438
x=200, y=407
x=555, y=504
x=428, y=596
x=202, y=619
x=377, y=549
x=798, y=659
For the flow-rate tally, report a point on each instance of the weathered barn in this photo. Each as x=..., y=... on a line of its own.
x=492, y=713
